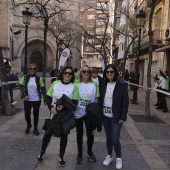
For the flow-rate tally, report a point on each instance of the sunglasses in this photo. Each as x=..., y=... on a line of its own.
x=32, y=68
x=86, y=71
x=111, y=72
x=69, y=73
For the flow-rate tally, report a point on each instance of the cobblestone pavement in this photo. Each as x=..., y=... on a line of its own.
x=145, y=146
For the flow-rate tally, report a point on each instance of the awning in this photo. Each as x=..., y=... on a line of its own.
x=163, y=49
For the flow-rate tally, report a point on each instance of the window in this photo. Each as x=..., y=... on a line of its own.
x=100, y=31
x=118, y=21
x=81, y=16
x=91, y=0
x=82, y=9
x=90, y=32
x=102, y=16
x=101, y=6
x=89, y=49
x=90, y=24
x=91, y=9
x=81, y=1
x=100, y=23
x=119, y=5
x=90, y=16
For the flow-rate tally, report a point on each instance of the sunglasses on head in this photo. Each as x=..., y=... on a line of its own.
x=69, y=73
x=32, y=68
x=86, y=71
x=111, y=72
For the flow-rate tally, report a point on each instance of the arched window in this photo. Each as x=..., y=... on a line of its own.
x=37, y=58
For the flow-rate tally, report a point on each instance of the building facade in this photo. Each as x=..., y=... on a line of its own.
x=12, y=36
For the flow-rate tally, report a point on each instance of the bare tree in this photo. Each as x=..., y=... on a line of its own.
x=148, y=91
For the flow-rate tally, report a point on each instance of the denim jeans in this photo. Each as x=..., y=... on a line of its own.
x=112, y=131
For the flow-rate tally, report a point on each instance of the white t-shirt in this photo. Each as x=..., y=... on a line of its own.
x=87, y=94
x=59, y=89
x=107, y=109
x=32, y=90
x=162, y=83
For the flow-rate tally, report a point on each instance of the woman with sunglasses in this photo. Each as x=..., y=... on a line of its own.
x=114, y=100
x=65, y=86
x=31, y=87
x=88, y=93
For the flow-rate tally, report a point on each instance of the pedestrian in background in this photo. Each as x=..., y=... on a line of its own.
x=53, y=73
x=97, y=78
x=31, y=87
x=100, y=73
x=114, y=100
x=88, y=93
x=64, y=86
x=10, y=77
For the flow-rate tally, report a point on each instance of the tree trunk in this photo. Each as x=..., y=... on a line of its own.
x=150, y=32
x=4, y=88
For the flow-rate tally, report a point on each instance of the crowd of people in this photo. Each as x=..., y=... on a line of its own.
x=106, y=88
x=84, y=87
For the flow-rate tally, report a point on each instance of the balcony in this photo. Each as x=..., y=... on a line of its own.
x=149, y=2
x=158, y=36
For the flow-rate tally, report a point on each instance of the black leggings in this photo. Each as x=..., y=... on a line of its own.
x=63, y=143
x=36, y=107
x=89, y=132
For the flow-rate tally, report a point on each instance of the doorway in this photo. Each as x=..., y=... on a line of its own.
x=37, y=58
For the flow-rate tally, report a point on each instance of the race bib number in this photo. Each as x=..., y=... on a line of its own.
x=83, y=103
x=108, y=110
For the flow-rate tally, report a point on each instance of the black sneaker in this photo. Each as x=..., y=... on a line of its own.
x=62, y=162
x=79, y=159
x=91, y=157
x=27, y=130
x=40, y=157
x=36, y=132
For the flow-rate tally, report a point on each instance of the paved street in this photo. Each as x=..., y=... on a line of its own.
x=145, y=146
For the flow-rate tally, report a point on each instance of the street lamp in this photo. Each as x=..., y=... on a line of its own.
x=26, y=20
x=140, y=21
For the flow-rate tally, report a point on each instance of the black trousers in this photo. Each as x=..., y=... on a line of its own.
x=63, y=143
x=89, y=132
x=135, y=97
x=28, y=105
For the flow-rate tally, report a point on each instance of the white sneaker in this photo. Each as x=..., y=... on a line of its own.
x=108, y=160
x=118, y=163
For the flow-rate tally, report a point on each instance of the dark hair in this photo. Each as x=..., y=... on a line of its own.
x=116, y=74
x=62, y=72
x=75, y=70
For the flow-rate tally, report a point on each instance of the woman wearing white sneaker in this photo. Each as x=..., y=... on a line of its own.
x=114, y=100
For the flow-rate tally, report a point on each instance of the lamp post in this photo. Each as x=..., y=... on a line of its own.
x=26, y=20
x=140, y=21
x=70, y=57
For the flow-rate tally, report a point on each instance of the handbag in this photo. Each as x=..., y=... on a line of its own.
x=46, y=124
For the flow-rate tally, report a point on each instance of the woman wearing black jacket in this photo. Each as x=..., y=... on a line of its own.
x=57, y=89
x=114, y=100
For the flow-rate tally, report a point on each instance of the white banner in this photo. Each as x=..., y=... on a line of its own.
x=64, y=55
x=101, y=61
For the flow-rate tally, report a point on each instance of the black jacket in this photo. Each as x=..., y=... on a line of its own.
x=120, y=100
x=64, y=121
x=94, y=115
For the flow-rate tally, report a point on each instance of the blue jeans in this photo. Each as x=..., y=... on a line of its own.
x=112, y=131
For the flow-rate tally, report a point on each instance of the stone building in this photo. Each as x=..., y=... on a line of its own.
x=12, y=36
